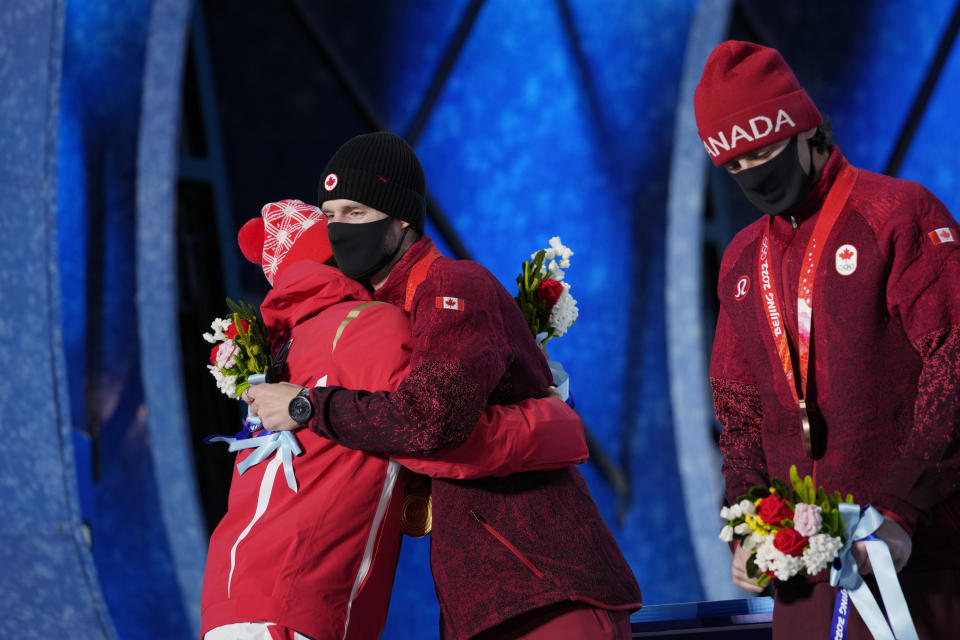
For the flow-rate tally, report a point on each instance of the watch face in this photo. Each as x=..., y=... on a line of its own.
x=300, y=409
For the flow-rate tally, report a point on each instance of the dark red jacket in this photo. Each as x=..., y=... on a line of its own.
x=886, y=358
x=500, y=547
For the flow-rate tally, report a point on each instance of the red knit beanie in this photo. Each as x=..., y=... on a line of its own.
x=286, y=232
x=749, y=98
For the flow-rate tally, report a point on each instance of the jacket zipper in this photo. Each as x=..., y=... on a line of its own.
x=506, y=543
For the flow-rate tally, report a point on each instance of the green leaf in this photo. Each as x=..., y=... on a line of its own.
x=781, y=488
x=810, y=493
x=752, y=568
x=758, y=493
x=796, y=481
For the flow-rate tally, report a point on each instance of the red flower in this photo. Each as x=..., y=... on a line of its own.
x=773, y=509
x=213, y=354
x=549, y=291
x=790, y=542
x=232, y=329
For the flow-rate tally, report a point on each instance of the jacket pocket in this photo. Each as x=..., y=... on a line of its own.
x=496, y=534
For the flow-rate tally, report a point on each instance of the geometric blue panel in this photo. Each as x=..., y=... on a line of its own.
x=48, y=579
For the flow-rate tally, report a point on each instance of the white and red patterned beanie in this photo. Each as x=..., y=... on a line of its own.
x=286, y=232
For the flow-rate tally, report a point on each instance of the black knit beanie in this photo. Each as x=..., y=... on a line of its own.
x=381, y=171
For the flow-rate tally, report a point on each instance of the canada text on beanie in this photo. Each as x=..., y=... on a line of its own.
x=749, y=98
x=381, y=171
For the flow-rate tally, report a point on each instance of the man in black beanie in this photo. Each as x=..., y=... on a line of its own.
x=527, y=555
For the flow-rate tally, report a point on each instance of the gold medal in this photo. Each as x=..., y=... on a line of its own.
x=416, y=510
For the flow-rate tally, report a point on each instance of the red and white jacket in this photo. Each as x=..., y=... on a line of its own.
x=321, y=560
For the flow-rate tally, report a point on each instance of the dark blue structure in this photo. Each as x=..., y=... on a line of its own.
x=137, y=137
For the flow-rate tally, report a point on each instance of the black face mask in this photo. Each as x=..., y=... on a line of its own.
x=359, y=248
x=778, y=184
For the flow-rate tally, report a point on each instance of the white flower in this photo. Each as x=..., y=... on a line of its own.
x=556, y=274
x=219, y=326
x=564, y=264
x=725, y=513
x=747, y=507
x=564, y=313
x=563, y=252
x=821, y=550
x=742, y=529
x=726, y=534
x=735, y=512
x=751, y=541
x=209, y=338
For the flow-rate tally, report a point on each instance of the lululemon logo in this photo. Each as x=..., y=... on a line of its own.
x=331, y=182
x=743, y=286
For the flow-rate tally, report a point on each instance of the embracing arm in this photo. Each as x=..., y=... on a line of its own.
x=533, y=435
x=459, y=356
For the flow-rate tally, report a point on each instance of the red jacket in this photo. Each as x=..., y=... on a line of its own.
x=500, y=547
x=321, y=560
x=885, y=372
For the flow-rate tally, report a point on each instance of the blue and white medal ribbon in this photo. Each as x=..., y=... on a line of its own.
x=859, y=527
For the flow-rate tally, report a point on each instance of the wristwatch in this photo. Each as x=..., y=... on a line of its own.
x=300, y=407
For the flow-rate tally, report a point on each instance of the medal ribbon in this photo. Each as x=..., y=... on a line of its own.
x=859, y=525
x=836, y=199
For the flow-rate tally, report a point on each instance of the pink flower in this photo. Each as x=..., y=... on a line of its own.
x=227, y=354
x=807, y=519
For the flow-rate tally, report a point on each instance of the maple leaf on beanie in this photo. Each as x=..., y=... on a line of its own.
x=749, y=98
x=286, y=232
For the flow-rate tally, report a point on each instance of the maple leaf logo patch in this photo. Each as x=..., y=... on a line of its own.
x=846, y=260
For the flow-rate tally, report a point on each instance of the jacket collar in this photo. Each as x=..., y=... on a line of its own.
x=302, y=291
x=394, y=290
x=813, y=201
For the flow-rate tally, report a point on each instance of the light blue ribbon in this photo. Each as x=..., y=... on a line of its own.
x=263, y=446
x=560, y=378
x=859, y=527
x=264, y=443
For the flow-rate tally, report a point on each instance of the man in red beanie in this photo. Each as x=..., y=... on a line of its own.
x=525, y=556
x=838, y=343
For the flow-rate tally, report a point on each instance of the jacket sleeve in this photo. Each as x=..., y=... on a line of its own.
x=533, y=435
x=459, y=355
x=736, y=403
x=923, y=291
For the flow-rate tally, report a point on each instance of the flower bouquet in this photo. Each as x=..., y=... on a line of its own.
x=239, y=359
x=240, y=349
x=789, y=529
x=543, y=296
x=546, y=303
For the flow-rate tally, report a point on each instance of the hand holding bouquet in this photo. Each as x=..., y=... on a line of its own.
x=789, y=529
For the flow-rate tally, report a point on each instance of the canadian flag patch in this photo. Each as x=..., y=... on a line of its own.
x=446, y=302
x=941, y=235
